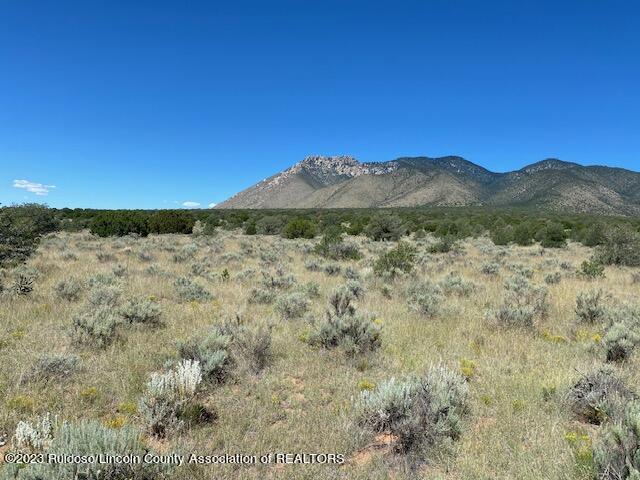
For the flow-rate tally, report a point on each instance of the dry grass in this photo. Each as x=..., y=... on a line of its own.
x=304, y=401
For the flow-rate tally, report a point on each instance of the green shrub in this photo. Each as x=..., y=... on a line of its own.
x=454, y=284
x=344, y=327
x=552, y=236
x=21, y=228
x=255, y=346
x=299, y=228
x=420, y=412
x=552, y=278
x=104, y=296
x=385, y=227
x=171, y=221
x=490, y=268
x=395, y=261
x=23, y=283
x=119, y=223
x=620, y=340
x=621, y=246
x=591, y=269
x=523, y=304
x=269, y=225
x=261, y=295
x=332, y=246
x=443, y=245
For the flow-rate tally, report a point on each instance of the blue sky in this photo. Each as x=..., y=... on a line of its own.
x=151, y=104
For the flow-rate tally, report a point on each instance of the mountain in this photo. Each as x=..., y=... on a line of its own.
x=344, y=182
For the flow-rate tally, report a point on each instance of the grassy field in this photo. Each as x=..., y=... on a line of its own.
x=518, y=427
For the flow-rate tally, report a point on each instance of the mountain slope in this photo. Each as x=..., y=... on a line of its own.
x=343, y=182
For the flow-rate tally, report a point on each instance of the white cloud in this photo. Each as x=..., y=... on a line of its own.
x=211, y=205
x=37, y=188
x=190, y=204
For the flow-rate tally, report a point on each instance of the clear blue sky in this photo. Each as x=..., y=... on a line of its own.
x=123, y=104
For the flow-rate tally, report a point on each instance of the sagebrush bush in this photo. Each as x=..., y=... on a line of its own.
x=421, y=412
x=53, y=367
x=454, y=284
x=278, y=280
x=523, y=304
x=92, y=438
x=598, y=396
x=590, y=306
x=212, y=351
x=34, y=436
x=424, y=297
x=141, y=311
x=620, y=340
x=490, y=268
x=356, y=333
x=69, y=289
x=292, y=305
x=255, y=346
x=95, y=327
x=168, y=394
x=104, y=296
x=261, y=295
x=616, y=452
x=190, y=291
x=553, y=278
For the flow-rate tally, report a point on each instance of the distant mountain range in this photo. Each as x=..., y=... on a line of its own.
x=344, y=182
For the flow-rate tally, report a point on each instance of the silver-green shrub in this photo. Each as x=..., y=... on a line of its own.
x=168, y=394
x=190, y=291
x=95, y=327
x=69, y=289
x=53, y=367
x=212, y=352
x=424, y=297
x=292, y=305
x=420, y=412
x=590, y=306
x=141, y=311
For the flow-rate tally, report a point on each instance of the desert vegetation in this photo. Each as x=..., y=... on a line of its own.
x=414, y=344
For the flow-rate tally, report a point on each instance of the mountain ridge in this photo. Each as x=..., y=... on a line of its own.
x=344, y=182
